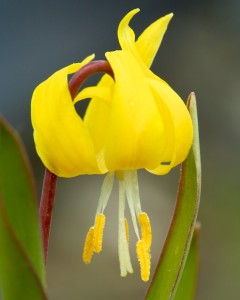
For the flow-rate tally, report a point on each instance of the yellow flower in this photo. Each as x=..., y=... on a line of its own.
x=132, y=122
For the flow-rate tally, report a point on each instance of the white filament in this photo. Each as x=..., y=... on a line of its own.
x=130, y=198
x=123, y=250
x=132, y=191
x=105, y=192
x=131, y=182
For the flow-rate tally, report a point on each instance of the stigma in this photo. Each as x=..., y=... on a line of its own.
x=128, y=194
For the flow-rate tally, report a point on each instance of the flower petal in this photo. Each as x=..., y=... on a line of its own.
x=178, y=126
x=144, y=50
x=100, y=92
x=149, y=41
x=97, y=115
x=62, y=142
x=126, y=35
x=135, y=136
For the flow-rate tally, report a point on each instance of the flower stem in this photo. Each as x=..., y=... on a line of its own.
x=50, y=179
x=91, y=68
x=46, y=207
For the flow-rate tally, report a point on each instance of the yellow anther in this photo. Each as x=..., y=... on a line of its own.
x=98, y=232
x=88, y=246
x=127, y=230
x=144, y=258
x=145, y=229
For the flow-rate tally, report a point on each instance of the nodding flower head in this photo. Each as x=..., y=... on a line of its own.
x=134, y=120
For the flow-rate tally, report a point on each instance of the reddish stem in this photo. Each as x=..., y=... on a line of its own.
x=50, y=179
x=46, y=207
x=91, y=68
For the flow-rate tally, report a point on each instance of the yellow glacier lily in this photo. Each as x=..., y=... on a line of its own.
x=133, y=121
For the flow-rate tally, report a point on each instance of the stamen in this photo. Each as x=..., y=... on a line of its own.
x=130, y=191
x=133, y=215
x=94, y=238
x=105, y=192
x=144, y=259
x=98, y=232
x=131, y=181
x=123, y=250
x=145, y=229
x=88, y=246
x=127, y=230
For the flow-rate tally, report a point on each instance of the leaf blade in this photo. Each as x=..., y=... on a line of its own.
x=187, y=286
x=21, y=259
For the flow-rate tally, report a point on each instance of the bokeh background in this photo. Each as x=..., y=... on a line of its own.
x=200, y=53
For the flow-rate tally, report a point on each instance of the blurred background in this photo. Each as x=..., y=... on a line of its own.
x=200, y=53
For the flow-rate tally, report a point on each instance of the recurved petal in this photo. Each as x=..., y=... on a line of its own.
x=150, y=40
x=96, y=119
x=145, y=48
x=126, y=35
x=178, y=126
x=135, y=136
x=62, y=142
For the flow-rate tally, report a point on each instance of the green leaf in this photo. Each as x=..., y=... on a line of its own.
x=187, y=286
x=22, y=273
x=177, y=244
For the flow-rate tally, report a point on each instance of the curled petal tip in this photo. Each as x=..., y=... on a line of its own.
x=134, y=11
